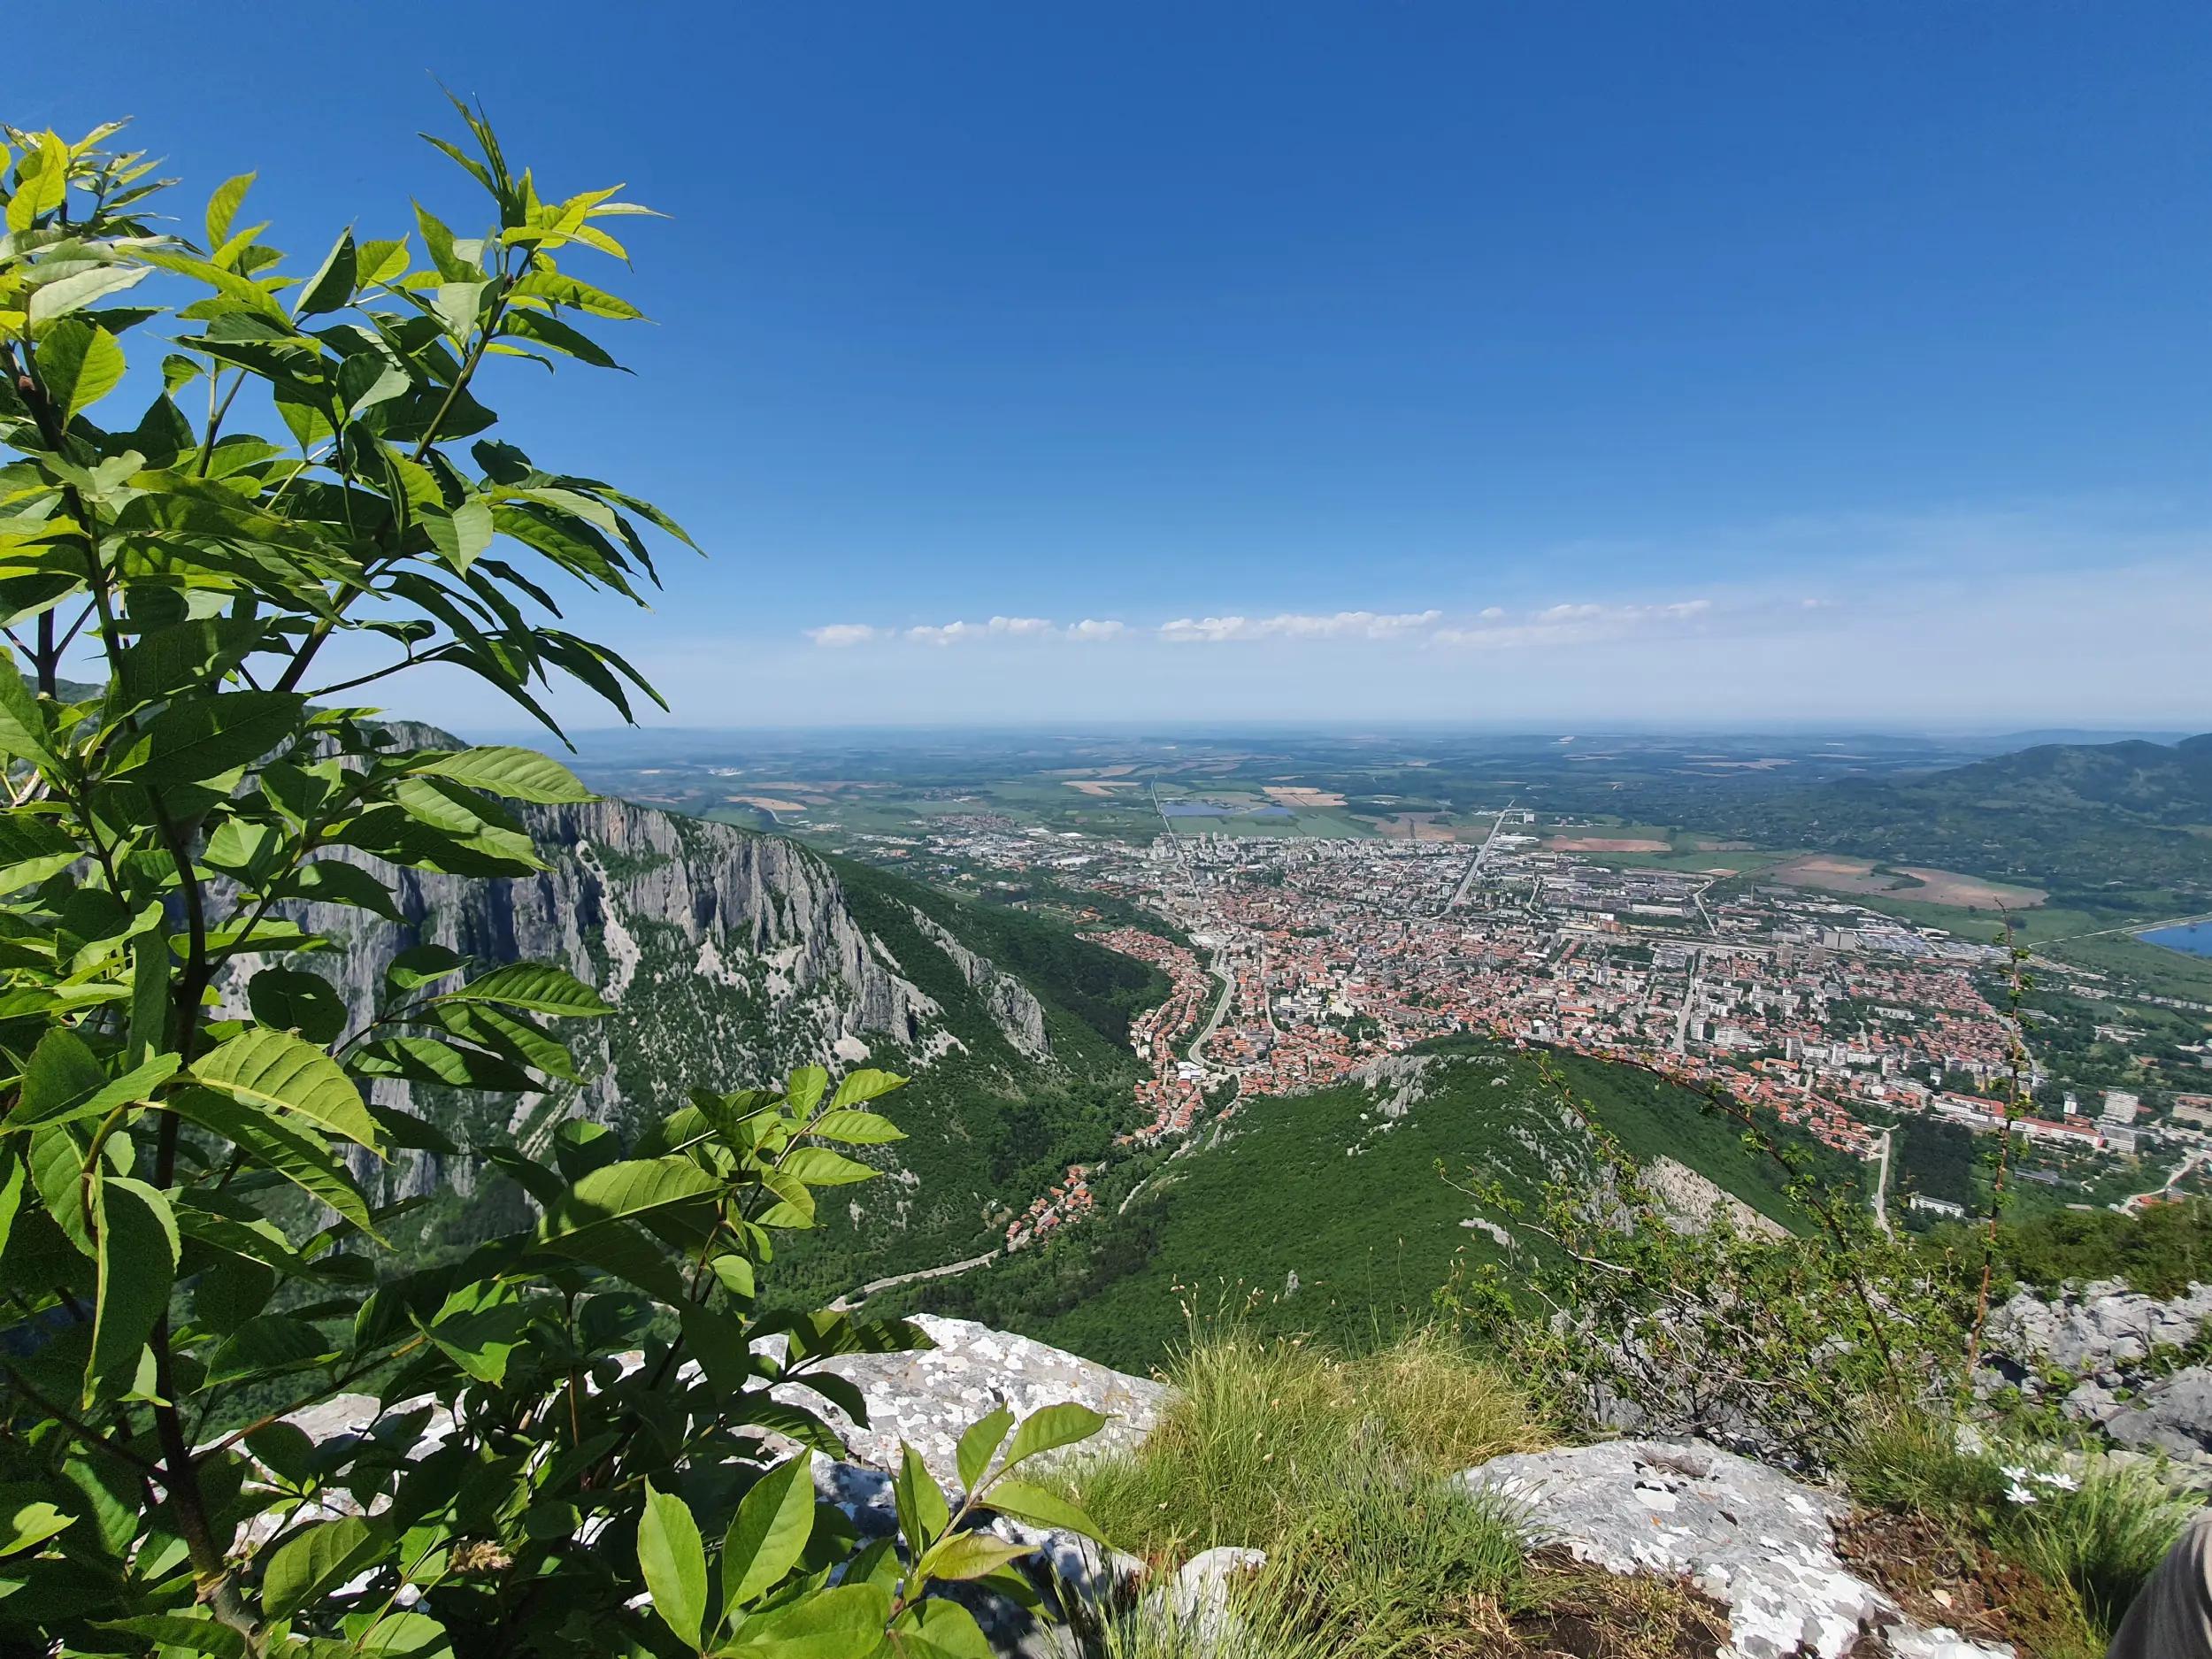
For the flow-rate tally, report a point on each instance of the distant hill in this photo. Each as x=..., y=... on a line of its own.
x=2118, y=825
x=2164, y=784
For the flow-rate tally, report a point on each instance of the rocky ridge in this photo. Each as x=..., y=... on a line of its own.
x=730, y=957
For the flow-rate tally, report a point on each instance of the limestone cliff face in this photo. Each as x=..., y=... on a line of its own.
x=729, y=956
x=1013, y=1009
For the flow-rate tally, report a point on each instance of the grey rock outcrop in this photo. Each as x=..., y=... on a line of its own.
x=1012, y=1009
x=927, y=1397
x=730, y=957
x=1757, y=1541
x=2173, y=1416
x=2097, y=1326
x=2114, y=1350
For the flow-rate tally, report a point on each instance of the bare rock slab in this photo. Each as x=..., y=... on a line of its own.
x=928, y=1396
x=1757, y=1541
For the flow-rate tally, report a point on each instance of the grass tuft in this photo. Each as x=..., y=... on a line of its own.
x=2092, y=1537
x=1261, y=1427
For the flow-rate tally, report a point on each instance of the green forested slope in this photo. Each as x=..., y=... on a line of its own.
x=1364, y=1207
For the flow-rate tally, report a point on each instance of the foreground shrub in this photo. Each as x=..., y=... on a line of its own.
x=191, y=1248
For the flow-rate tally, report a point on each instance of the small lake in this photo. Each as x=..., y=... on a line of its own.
x=2195, y=938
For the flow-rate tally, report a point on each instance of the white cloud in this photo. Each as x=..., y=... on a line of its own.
x=1571, y=624
x=1341, y=625
x=1004, y=627
x=1090, y=629
x=838, y=634
x=945, y=634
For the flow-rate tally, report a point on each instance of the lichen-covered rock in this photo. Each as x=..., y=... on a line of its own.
x=1757, y=1541
x=2114, y=1350
x=2173, y=1415
x=2098, y=1326
x=924, y=1398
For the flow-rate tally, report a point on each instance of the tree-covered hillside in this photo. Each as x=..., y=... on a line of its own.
x=1362, y=1192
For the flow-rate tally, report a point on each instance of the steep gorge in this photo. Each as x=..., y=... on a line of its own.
x=730, y=957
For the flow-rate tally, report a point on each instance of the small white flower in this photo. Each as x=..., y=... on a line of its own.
x=2018, y=1493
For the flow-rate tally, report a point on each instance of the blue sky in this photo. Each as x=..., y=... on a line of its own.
x=1698, y=362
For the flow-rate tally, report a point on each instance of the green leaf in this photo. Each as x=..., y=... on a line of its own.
x=33, y=849
x=178, y=1630
x=222, y=207
x=50, y=300
x=536, y=987
x=770, y=1531
x=1035, y=1505
x=983, y=1436
x=631, y=1189
x=462, y=534
x=519, y=774
x=22, y=718
x=857, y=1129
x=970, y=1556
x=456, y=304
x=939, y=1629
x=14, y=1177
x=292, y=999
x=923, y=1512
x=434, y=1060
x=420, y=966
x=267, y=1345
x=41, y=181
x=865, y=1084
x=1053, y=1427
x=735, y=1274
x=818, y=1166
x=79, y=364
x=335, y=881
x=674, y=1564
x=268, y=1141
x=27, y=1518
x=566, y=290
x=206, y=737
x=138, y=1264
x=803, y=1090
x=833, y=1623
x=311, y=1562
x=273, y=1068
x=439, y=239
x=478, y=1333
x=55, y=1160
x=551, y=332
x=332, y=286
x=62, y=1082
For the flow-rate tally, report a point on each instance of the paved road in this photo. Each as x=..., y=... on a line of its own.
x=2202, y=1155
x=1474, y=864
x=1689, y=1000
x=1221, y=1006
x=852, y=1298
x=2126, y=928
